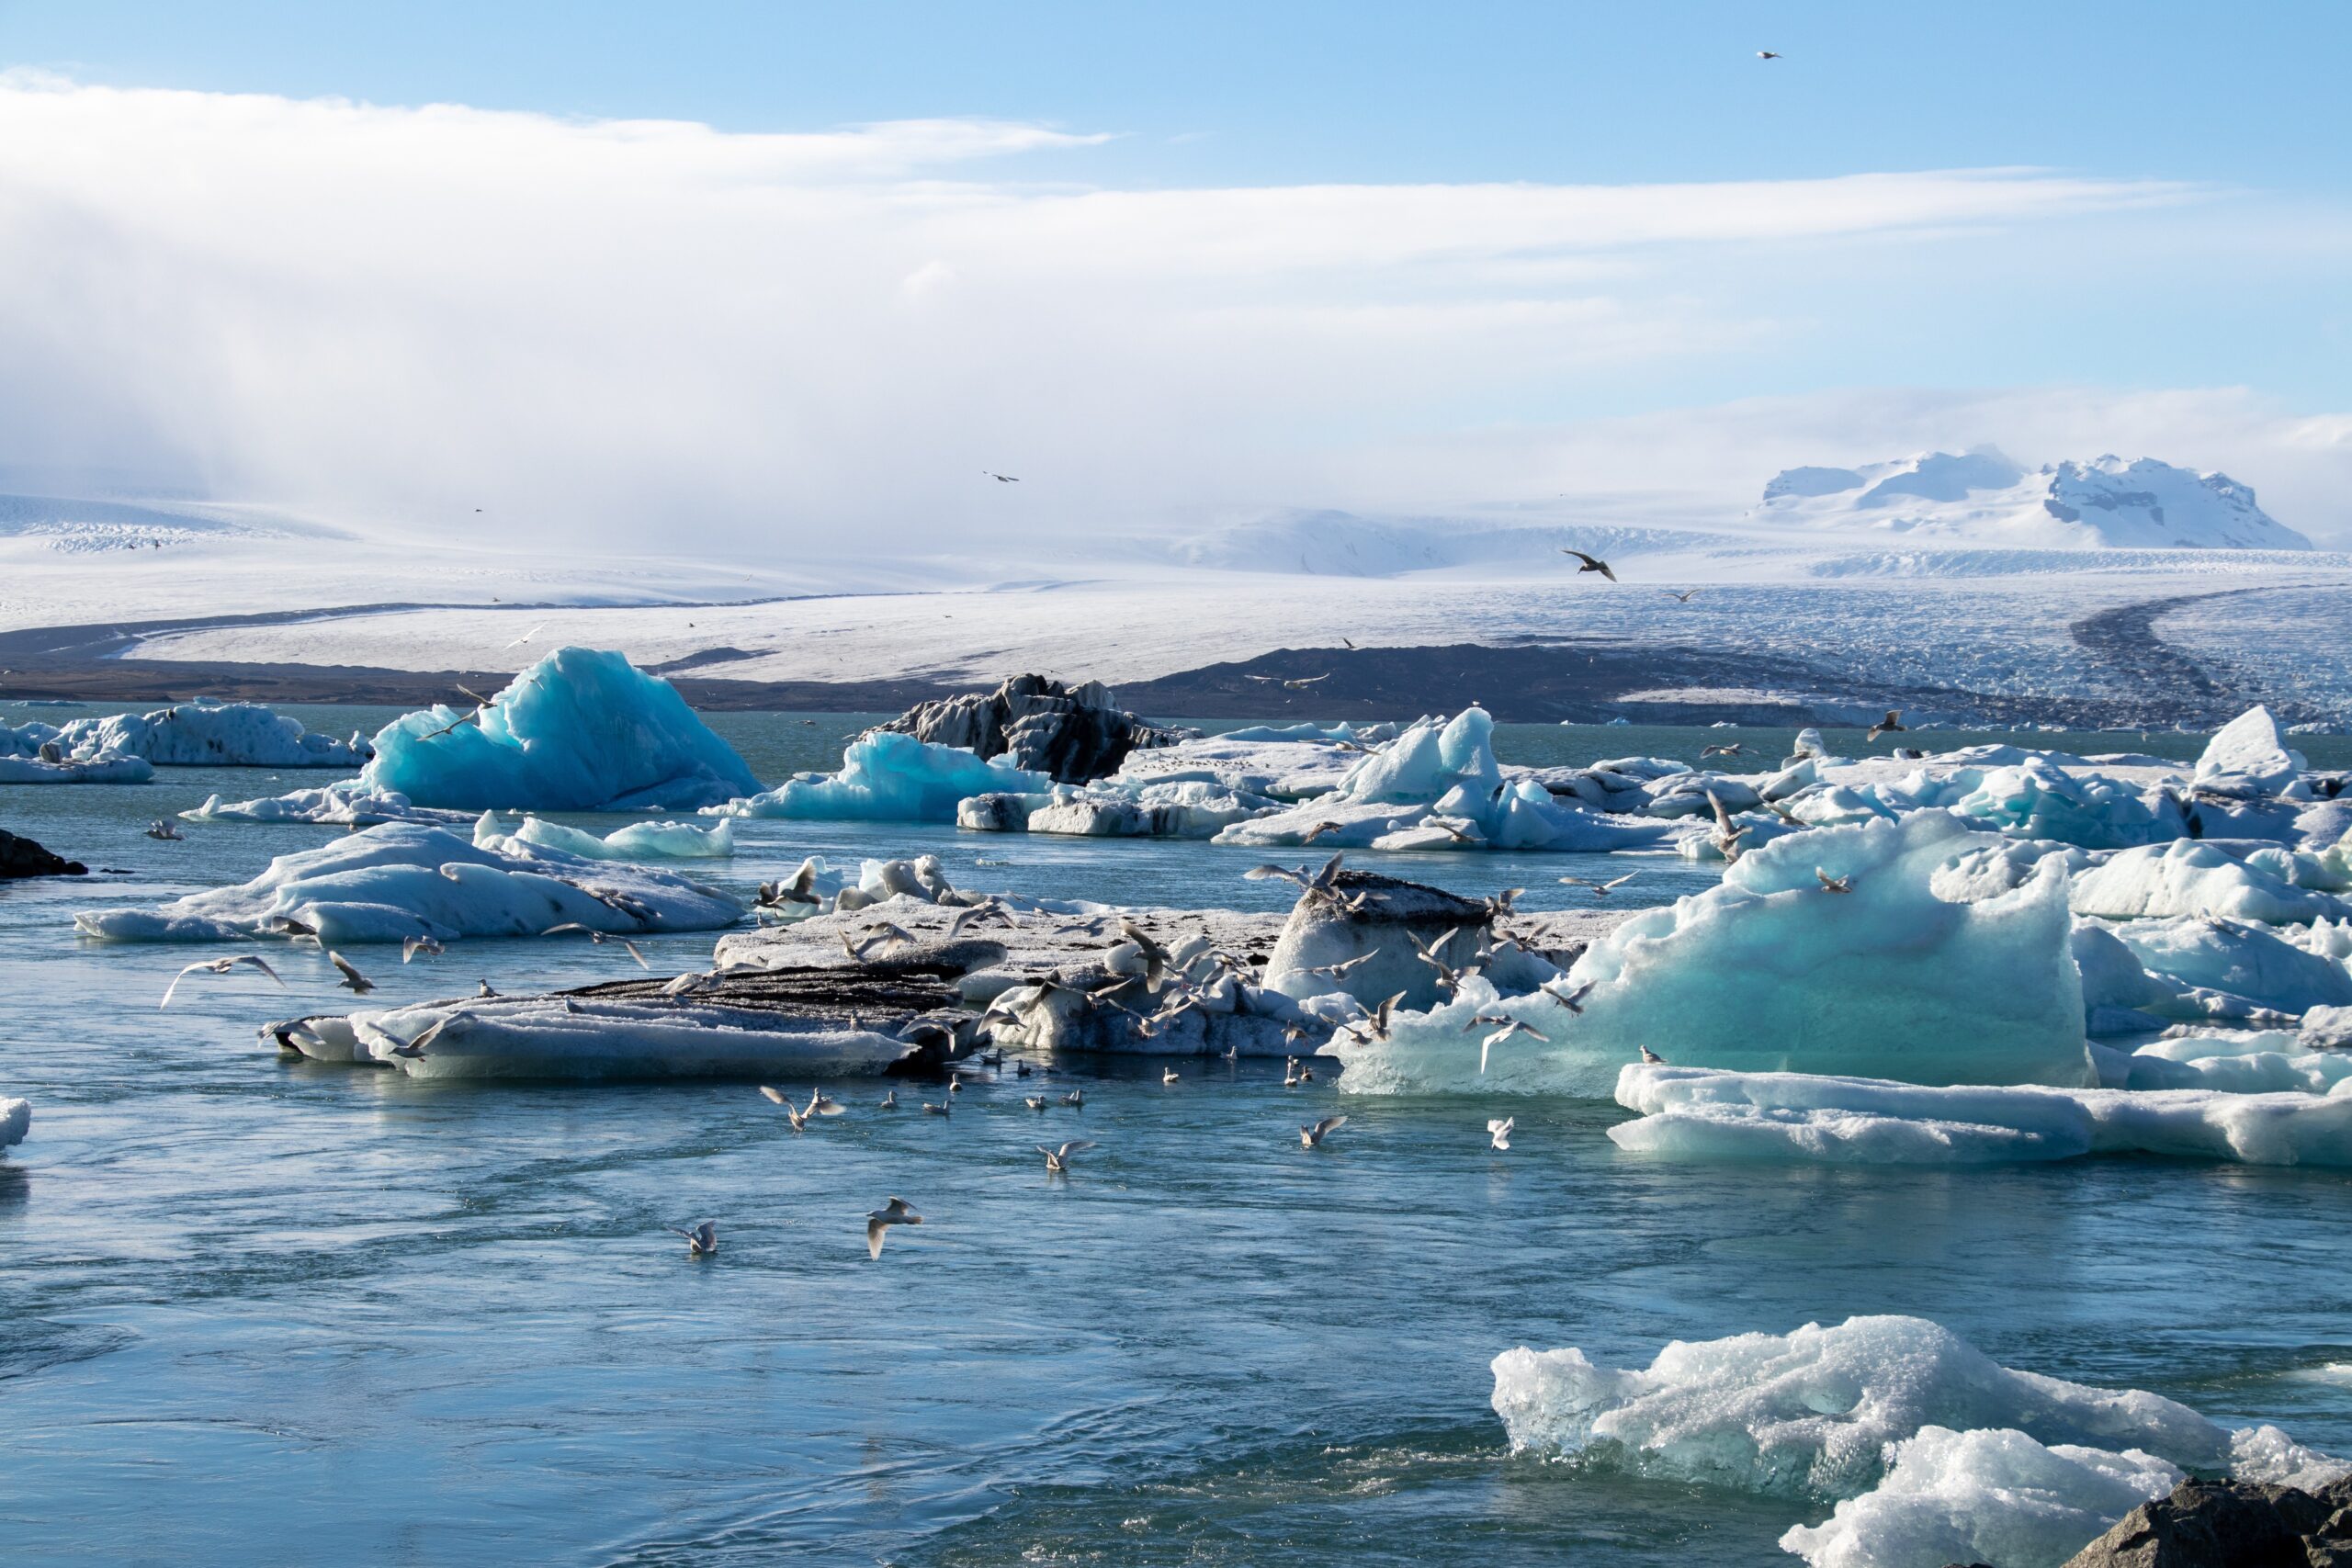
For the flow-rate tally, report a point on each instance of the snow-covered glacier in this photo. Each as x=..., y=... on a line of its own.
x=1984, y=498
x=579, y=731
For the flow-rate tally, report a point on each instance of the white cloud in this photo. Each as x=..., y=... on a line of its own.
x=803, y=344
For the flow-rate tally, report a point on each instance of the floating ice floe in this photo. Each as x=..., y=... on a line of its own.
x=194, y=734
x=1699, y=1114
x=1933, y=1451
x=888, y=777
x=96, y=770
x=1186, y=809
x=399, y=880
x=1281, y=762
x=16, y=1121
x=578, y=731
x=1437, y=788
x=2247, y=753
x=1896, y=976
x=637, y=841
x=343, y=805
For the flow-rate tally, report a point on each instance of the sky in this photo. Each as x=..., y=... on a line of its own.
x=781, y=278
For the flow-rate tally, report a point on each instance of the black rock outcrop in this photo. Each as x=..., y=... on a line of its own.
x=22, y=857
x=2230, y=1524
x=1072, y=733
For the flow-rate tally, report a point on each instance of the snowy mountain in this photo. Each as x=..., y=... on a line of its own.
x=1984, y=498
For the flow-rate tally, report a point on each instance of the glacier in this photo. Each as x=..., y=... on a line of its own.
x=399, y=880
x=579, y=731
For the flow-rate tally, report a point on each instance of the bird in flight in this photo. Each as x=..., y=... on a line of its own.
x=1601, y=889
x=1311, y=1138
x=1682, y=598
x=1057, y=1160
x=1735, y=749
x=879, y=1221
x=1891, y=725
x=1003, y=478
x=1298, y=684
x=1835, y=883
x=353, y=980
x=1500, y=1130
x=702, y=1241
x=599, y=938
x=1591, y=563
x=527, y=636
x=1768, y=54
x=428, y=945
x=217, y=966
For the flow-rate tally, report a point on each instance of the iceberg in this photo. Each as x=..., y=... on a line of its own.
x=1187, y=809
x=1699, y=1114
x=16, y=1121
x=1992, y=1496
x=96, y=770
x=1070, y=733
x=192, y=735
x=2247, y=751
x=888, y=777
x=400, y=880
x=578, y=731
x=1895, y=977
x=637, y=841
x=342, y=805
x=1289, y=762
x=2225, y=969
x=2185, y=877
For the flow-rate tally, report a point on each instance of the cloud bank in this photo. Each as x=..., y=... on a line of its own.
x=810, y=345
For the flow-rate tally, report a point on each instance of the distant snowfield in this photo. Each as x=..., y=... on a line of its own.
x=1866, y=612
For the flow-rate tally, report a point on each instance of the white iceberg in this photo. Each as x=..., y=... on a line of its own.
x=1701, y=1113
x=578, y=731
x=888, y=777
x=2228, y=969
x=96, y=770
x=1286, y=762
x=2248, y=751
x=1895, y=977
x=192, y=735
x=637, y=841
x=16, y=1121
x=343, y=805
x=399, y=880
x=2185, y=878
x=1990, y=1495
x=1189, y=808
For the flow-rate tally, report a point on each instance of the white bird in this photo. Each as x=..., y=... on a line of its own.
x=1572, y=1000
x=162, y=829
x=1297, y=683
x=528, y=634
x=428, y=945
x=416, y=1047
x=890, y=1101
x=217, y=966
x=1034, y=1102
x=879, y=1221
x=484, y=989
x=358, y=985
x=1505, y=1032
x=702, y=1241
x=1500, y=1130
x=1169, y=1077
x=1891, y=725
x=1057, y=1160
x=1601, y=889
x=1311, y=1138
x=799, y=1117
x=1075, y=1097
x=1650, y=1056
x=599, y=938
x=1835, y=883
x=1682, y=598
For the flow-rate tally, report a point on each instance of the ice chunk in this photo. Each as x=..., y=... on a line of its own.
x=1812, y=1412
x=342, y=805
x=1189, y=809
x=196, y=734
x=1991, y=1496
x=16, y=1121
x=2248, y=748
x=637, y=841
x=399, y=880
x=2189, y=878
x=96, y=770
x=2038, y=799
x=1289, y=763
x=2226, y=970
x=1693, y=1112
x=578, y=731
x=1771, y=969
x=888, y=777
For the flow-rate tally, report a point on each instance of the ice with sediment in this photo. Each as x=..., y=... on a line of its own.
x=16, y=1121
x=885, y=776
x=195, y=733
x=1437, y=786
x=637, y=841
x=581, y=730
x=1989, y=1496
x=1702, y=1113
x=399, y=880
x=1771, y=970
x=1188, y=808
x=96, y=770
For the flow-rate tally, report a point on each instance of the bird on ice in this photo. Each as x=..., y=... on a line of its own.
x=702, y=1241
x=1500, y=1130
x=1650, y=1056
x=1591, y=563
x=1311, y=1136
x=1057, y=1160
x=217, y=966
x=879, y=1221
x=358, y=985
x=1835, y=883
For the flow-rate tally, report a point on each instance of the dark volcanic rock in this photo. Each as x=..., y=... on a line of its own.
x=1073, y=733
x=2230, y=1524
x=22, y=857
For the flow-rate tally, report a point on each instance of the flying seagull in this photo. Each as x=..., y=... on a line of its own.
x=1057, y=1160
x=1682, y=598
x=599, y=938
x=879, y=1221
x=1601, y=889
x=702, y=1241
x=1297, y=683
x=428, y=945
x=217, y=966
x=1591, y=563
x=1768, y=54
x=358, y=985
x=528, y=634
x=1311, y=1138
x=1891, y=725
x=1735, y=749
x=1003, y=478
x=1572, y=1000
x=1500, y=1130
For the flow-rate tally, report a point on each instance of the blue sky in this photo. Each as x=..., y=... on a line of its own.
x=2201, y=245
